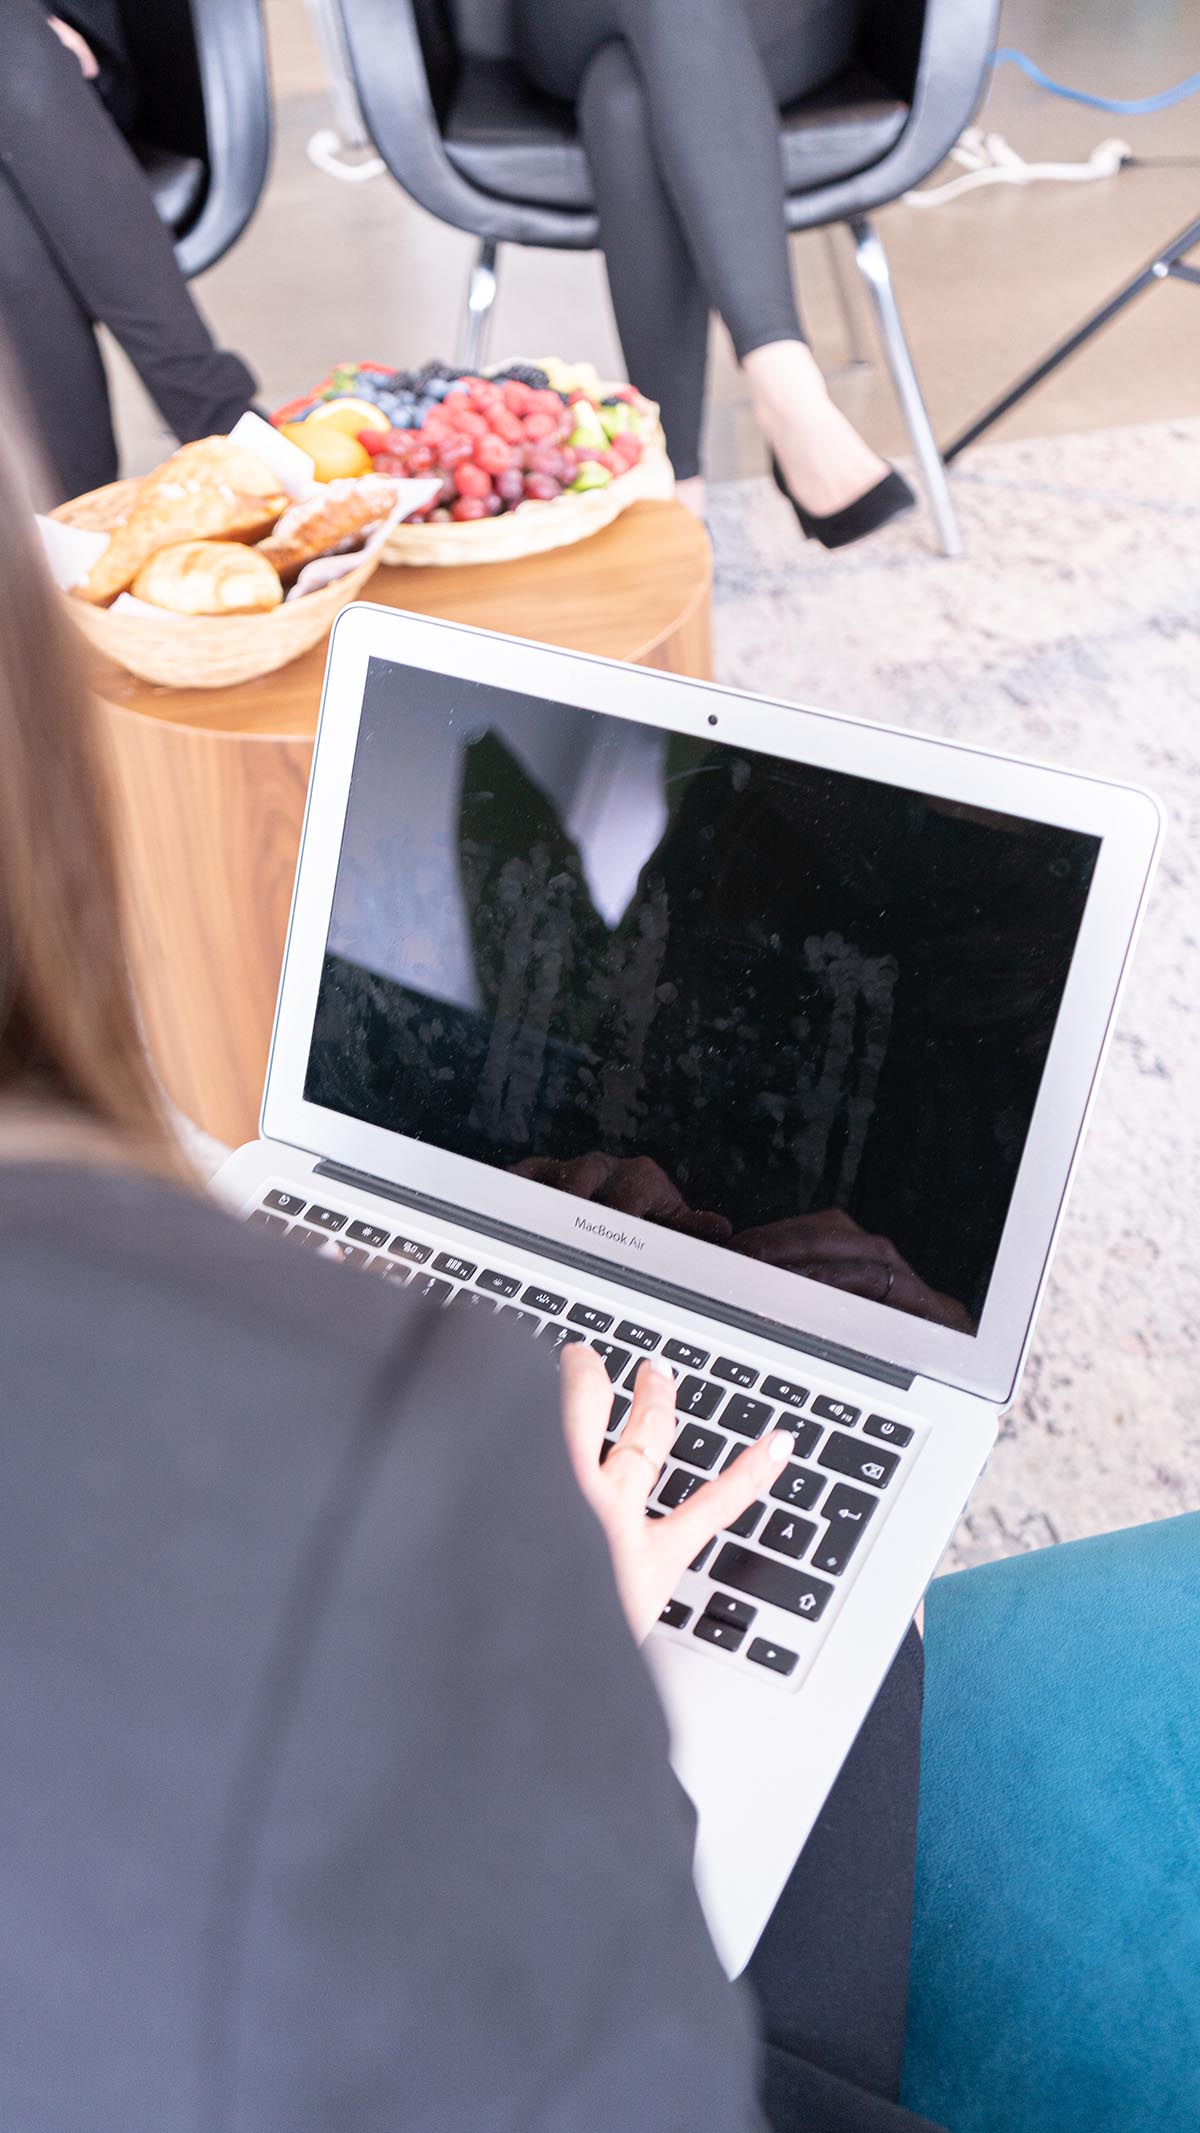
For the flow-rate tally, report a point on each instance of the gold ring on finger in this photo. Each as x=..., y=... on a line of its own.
x=640, y=1452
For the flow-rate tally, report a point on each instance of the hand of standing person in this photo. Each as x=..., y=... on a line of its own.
x=650, y=1554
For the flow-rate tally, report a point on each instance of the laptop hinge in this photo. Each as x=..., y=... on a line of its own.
x=626, y=1277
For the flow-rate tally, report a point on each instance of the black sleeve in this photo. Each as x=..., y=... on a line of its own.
x=469, y=1901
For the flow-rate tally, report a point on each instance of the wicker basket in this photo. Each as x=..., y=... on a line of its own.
x=202, y=651
x=533, y=529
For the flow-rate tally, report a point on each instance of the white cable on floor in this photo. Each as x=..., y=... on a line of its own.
x=987, y=159
x=329, y=152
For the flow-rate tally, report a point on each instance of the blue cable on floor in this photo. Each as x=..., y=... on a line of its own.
x=1130, y=107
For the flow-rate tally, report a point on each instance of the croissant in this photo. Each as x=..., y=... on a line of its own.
x=210, y=490
x=209, y=578
x=336, y=516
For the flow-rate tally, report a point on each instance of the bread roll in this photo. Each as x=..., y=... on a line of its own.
x=209, y=578
x=210, y=490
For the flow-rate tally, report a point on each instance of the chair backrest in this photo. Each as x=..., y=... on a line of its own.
x=483, y=28
x=162, y=48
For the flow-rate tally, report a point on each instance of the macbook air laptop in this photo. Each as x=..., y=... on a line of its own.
x=658, y=1016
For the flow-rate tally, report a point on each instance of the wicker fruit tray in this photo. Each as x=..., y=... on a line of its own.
x=533, y=529
x=201, y=651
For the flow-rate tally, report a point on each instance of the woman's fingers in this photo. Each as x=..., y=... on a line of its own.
x=720, y=1501
x=636, y=1460
x=586, y=1407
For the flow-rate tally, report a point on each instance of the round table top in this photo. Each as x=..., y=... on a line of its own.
x=619, y=595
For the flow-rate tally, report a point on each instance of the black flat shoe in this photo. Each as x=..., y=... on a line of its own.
x=886, y=500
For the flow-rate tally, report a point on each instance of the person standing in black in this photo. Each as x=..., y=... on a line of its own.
x=81, y=245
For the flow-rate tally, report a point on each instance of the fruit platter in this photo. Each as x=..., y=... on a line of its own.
x=528, y=456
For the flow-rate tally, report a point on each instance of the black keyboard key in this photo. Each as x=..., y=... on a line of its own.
x=735, y=1373
x=698, y=1561
x=556, y=1337
x=326, y=1218
x=638, y=1336
x=299, y=1233
x=652, y=1512
x=528, y=1319
x=262, y=1220
x=497, y=1284
x=836, y=1411
x=450, y=1263
x=380, y=1265
x=677, y=1487
x=788, y=1535
x=849, y=1512
x=431, y=1288
x=471, y=1300
x=544, y=1300
x=408, y=1248
x=675, y=1615
x=859, y=1461
x=776, y=1656
x=683, y=1352
x=615, y=1358
x=725, y=1634
x=353, y=1255
x=284, y=1203
x=695, y=1396
x=699, y=1447
x=746, y=1418
x=897, y=1433
x=775, y=1584
x=744, y=1526
x=805, y=1436
x=620, y=1408
x=799, y=1486
x=367, y=1233
x=587, y=1315
x=727, y=1609
x=783, y=1390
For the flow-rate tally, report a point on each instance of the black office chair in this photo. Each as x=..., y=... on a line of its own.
x=204, y=119
x=468, y=137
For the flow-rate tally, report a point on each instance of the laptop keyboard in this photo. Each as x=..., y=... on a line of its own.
x=758, y=1592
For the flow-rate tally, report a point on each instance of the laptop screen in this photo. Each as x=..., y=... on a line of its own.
x=797, y=1014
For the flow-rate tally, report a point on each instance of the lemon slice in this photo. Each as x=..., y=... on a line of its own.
x=350, y=415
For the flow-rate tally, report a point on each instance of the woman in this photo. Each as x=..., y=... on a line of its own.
x=81, y=245
x=678, y=108
x=335, y=1794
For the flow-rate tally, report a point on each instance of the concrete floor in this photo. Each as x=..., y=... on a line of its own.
x=329, y=270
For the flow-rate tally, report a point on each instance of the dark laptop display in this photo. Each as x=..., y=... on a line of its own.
x=798, y=1014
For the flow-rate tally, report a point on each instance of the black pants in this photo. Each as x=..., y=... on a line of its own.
x=678, y=109
x=81, y=244
x=830, y=1973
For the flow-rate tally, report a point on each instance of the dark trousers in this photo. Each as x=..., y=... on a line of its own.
x=81, y=245
x=678, y=109
x=830, y=1973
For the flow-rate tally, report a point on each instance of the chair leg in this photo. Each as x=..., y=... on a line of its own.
x=481, y=295
x=858, y=354
x=873, y=266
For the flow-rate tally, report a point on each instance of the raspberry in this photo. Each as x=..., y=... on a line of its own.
x=539, y=426
x=421, y=457
x=493, y=455
x=453, y=451
x=469, y=507
x=519, y=399
x=505, y=424
x=551, y=403
x=471, y=480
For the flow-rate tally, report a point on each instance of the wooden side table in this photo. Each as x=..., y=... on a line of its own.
x=211, y=785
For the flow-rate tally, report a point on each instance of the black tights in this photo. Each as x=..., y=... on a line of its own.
x=81, y=244
x=678, y=109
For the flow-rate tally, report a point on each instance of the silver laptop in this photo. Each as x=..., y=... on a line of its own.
x=689, y=1024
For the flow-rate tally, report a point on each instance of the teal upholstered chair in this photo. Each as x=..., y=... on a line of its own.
x=1056, y=1952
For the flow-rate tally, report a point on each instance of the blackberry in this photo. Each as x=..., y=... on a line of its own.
x=522, y=374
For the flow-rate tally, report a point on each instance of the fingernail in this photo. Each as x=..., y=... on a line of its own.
x=661, y=1368
x=781, y=1446
x=330, y=1250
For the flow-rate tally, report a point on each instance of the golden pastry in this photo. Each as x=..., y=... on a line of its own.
x=336, y=517
x=209, y=578
x=210, y=490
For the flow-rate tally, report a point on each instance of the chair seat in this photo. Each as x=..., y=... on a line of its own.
x=508, y=139
x=177, y=182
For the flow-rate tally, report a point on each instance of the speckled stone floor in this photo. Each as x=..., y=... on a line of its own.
x=1070, y=632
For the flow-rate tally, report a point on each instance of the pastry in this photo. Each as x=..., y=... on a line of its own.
x=336, y=517
x=210, y=490
x=209, y=578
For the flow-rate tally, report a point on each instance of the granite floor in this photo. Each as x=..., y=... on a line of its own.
x=1071, y=633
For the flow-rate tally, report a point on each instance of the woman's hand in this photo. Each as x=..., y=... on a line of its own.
x=829, y=1246
x=650, y=1554
x=630, y=1185
x=78, y=45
